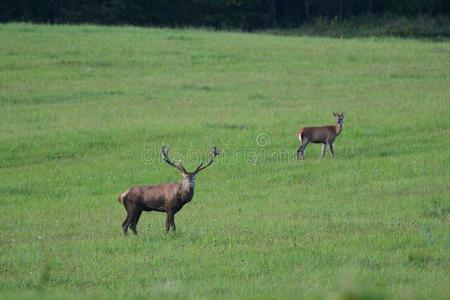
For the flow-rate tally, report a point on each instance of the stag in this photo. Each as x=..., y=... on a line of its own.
x=167, y=197
x=324, y=135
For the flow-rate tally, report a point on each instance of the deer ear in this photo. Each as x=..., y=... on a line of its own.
x=342, y=113
x=334, y=114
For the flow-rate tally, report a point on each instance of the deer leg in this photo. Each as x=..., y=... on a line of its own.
x=169, y=220
x=173, y=223
x=135, y=220
x=131, y=212
x=324, y=148
x=331, y=149
x=126, y=223
x=301, y=150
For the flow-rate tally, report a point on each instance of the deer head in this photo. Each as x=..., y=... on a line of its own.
x=339, y=118
x=188, y=177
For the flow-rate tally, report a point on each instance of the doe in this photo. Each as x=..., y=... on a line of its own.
x=167, y=197
x=324, y=135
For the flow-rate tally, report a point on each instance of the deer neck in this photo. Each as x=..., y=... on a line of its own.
x=338, y=127
x=187, y=190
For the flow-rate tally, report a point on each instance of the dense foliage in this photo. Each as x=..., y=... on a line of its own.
x=244, y=14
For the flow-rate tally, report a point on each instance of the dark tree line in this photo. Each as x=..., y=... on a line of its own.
x=244, y=14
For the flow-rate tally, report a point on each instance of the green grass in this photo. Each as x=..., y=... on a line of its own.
x=84, y=111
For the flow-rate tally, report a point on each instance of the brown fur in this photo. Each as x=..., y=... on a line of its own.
x=122, y=195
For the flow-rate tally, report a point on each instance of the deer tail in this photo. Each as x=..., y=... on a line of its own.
x=123, y=196
x=300, y=134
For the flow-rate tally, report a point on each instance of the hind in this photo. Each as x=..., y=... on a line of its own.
x=300, y=133
x=123, y=196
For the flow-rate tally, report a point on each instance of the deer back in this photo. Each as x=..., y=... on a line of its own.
x=155, y=197
x=319, y=134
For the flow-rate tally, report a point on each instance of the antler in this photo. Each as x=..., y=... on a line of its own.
x=214, y=152
x=165, y=156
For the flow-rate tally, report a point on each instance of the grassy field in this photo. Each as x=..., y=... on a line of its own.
x=84, y=111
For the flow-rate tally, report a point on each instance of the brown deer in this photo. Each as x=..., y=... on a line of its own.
x=324, y=135
x=167, y=197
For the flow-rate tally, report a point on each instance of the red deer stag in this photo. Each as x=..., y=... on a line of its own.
x=167, y=197
x=324, y=135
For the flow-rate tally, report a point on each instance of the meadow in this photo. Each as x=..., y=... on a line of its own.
x=84, y=111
